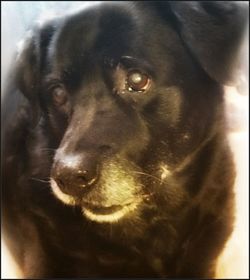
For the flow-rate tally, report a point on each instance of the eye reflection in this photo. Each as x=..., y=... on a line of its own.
x=137, y=81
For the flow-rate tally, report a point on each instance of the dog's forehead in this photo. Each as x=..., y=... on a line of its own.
x=100, y=29
x=106, y=33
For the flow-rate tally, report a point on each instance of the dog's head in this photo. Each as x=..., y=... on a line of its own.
x=128, y=94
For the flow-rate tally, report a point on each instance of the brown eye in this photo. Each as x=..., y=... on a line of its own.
x=138, y=81
x=59, y=95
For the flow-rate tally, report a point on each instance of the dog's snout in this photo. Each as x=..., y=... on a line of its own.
x=74, y=174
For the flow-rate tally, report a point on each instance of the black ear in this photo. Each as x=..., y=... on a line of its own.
x=212, y=31
x=30, y=64
x=27, y=67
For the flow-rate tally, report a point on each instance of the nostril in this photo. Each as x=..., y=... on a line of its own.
x=84, y=178
x=81, y=178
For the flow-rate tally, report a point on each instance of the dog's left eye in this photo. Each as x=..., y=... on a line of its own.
x=60, y=95
x=137, y=81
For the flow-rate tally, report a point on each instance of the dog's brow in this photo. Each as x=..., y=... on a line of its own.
x=130, y=61
x=110, y=62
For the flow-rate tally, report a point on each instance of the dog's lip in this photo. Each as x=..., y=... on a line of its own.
x=100, y=209
x=108, y=214
x=104, y=209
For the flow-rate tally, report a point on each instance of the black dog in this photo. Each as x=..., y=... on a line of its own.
x=115, y=158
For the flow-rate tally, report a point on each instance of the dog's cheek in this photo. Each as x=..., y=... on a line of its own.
x=137, y=147
x=164, y=117
x=39, y=157
x=180, y=120
x=164, y=109
x=58, y=123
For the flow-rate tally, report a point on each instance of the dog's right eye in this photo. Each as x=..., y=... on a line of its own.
x=60, y=95
x=137, y=81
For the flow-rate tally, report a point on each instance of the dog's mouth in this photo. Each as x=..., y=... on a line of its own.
x=97, y=212
x=109, y=214
x=102, y=210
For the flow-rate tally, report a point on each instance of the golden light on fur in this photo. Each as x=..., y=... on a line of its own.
x=165, y=172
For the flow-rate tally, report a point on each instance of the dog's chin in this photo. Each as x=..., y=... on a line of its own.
x=96, y=212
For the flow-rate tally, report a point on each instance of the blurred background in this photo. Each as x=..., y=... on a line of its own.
x=18, y=16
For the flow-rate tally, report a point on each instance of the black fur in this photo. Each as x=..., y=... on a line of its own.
x=185, y=217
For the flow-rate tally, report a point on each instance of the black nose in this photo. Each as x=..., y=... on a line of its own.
x=73, y=174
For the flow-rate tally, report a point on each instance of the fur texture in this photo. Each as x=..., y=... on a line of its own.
x=101, y=179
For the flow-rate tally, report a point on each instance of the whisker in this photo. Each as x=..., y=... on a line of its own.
x=40, y=180
x=47, y=149
x=149, y=175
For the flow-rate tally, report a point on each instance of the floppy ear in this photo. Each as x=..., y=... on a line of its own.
x=212, y=31
x=30, y=64
x=27, y=68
